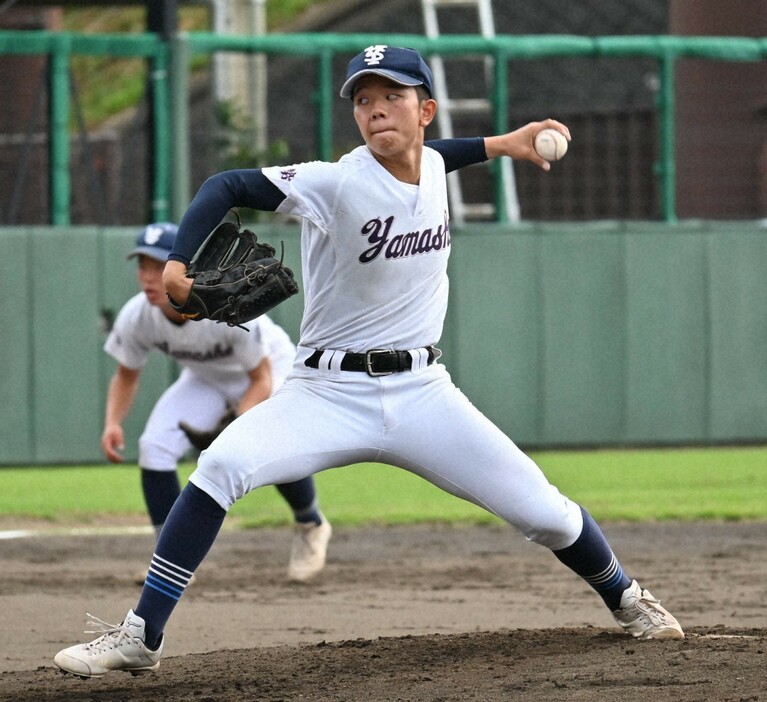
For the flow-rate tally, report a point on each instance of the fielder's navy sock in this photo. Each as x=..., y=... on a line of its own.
x=302, y=498
x=592, y=558
x=189, y=532
x=161, y=489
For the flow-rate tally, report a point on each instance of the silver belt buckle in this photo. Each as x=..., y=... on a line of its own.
x=369, y=363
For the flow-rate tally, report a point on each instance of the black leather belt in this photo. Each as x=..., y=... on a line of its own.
x=376, y=361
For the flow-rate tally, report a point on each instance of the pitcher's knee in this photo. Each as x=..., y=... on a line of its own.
x=220, y=476
x=556, y=530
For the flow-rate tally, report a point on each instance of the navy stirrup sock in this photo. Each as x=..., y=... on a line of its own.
x=161, y=489
x=592, y=558
x=190, y=530
x=302, y=498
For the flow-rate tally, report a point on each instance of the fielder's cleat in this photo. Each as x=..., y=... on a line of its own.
x=309, y=549
x=119, y=647
x=642, y=616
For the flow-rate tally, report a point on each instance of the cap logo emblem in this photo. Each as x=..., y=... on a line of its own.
x=152, y=235
x=375, y=54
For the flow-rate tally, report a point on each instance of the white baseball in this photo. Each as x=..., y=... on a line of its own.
x=550, y=144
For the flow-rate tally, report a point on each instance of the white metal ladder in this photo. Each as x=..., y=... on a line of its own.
x=461, y=210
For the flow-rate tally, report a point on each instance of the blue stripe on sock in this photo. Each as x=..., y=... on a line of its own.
x=606, y=584
x=607, y=576
x=167, y=577
x=173, y=594
x=164, y=574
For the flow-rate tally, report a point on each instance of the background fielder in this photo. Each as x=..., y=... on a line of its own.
x=221, y=368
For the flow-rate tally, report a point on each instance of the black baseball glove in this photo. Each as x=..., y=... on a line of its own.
x=236, y=278
x=202, y=439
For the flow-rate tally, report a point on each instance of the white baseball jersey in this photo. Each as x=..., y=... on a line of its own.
x=216, y=352
x=374, y=251
x=374, y=256
x=215, y=359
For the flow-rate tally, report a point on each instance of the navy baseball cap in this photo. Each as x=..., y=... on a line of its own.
x=155, y=241
x=403, y=66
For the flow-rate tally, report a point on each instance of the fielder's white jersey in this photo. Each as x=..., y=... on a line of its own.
x=217, y=352
x=378, y=250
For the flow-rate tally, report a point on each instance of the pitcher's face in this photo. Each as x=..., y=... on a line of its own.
x=391, y=117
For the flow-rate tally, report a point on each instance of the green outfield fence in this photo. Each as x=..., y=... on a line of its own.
x=609, y=333
x=170, y=73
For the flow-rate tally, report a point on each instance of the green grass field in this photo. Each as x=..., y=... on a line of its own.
x=634, y=485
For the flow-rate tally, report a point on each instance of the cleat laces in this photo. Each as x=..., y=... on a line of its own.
x=111, y=634
x=648, y=608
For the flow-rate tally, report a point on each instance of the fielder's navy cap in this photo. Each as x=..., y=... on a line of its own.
x=403, y=66
x=155, y=241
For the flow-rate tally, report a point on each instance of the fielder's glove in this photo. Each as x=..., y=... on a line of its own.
x=202, y=439
x=236, y=278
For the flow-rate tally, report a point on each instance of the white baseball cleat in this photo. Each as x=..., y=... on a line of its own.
x=309, y=549
x=642, y=616
x=119, y=647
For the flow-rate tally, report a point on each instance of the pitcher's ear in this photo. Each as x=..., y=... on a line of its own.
x=428, y=108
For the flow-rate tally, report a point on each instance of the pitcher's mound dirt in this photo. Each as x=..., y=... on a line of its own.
x=405, y=613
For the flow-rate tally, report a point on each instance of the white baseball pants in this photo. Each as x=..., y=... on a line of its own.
x=417, y=420
x=191, y=399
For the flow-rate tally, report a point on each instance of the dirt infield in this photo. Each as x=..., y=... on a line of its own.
x=405, y=613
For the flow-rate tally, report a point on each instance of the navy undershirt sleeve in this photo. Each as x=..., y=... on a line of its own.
x=251, y=188
x=458, y=153
x=247, y=187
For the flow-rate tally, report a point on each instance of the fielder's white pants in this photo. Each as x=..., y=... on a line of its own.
x=191, y=399
x=416, y=420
